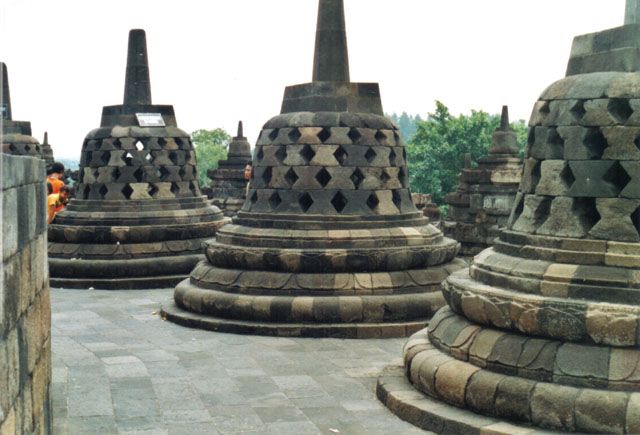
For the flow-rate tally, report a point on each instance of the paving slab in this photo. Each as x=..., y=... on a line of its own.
x=120, y=369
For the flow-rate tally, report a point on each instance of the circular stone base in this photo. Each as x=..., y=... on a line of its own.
x=396, y=393
x=146, y=283
x=170, y=311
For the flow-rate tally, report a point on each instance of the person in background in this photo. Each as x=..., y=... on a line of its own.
x=248, y=172
x=56, y=202
x=55, y=175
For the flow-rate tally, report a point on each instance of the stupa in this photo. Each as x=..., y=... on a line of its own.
x=483, y=201
x=228, y=190
x=328, y=242
x=542, y=329
x=16, y=135
x=47, y=151
x=138, y=219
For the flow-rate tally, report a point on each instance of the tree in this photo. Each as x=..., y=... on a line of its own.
x=407, y=124
x=436, y=152
x=211, y=146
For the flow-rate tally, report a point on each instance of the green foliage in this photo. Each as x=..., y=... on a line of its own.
x=211, y=146
x=436, y=152
x=407, y=124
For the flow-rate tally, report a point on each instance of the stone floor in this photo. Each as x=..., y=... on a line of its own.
x=119, y=368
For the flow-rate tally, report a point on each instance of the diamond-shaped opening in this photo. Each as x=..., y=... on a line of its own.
x=275, y=200
x=384, y=177
x=164, y=173
x=341, y=155
x=152, y=190
x=117, y=144
x=307, y=153
x=323, y=177
x=324, y=135
x=128, y=159
x=274, y=134
x=381, y=137
x=531, y=139
x=267, y=174
x=354, y=135
x=162, y=141
x=87, y=190
x=373, y=201
x=357, y=178
x=98, y=144
x=127, y=191
x=578, y=111
x=175, y=189
x=115, y=174
x=138, y=174
x=294, y=135
x=635, y=218
x=402, y=176
x=370, y=155
x=396, y=198
x=587, y=211
x=192, y=188
x=173, y=156
x=254, y=197
x=12, y=148
x=339, y=202
x=95, y=174
x=305, y=202
x=620, y=109
x=566, y=175
x=556, y=145
x=182, y=172
x=105, y=157
x=392, y=158
x=179, y=142
x=103, y=190
x=617, y=176
x=148, y=157
x=545, y=109
x=291, y=177
x=139, y=145
x=260, y=154
x=536, y=172
x=595, y=142
x=281, y=154
x=27, y=148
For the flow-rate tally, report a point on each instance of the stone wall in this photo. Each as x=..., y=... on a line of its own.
x=25, y=313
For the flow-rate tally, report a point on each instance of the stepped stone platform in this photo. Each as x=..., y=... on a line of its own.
x=486, y=194
x=328, y=242
x=542, y=329
x=16, y=135
x=229, y=188
x=138, y=219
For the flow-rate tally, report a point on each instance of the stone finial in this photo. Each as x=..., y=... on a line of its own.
x=45, y=141
x=240, y=130
x=467, y=161
x=331, y=59
x=137, y=87
x=504, y=119
x=632, y=12
x=5, y=99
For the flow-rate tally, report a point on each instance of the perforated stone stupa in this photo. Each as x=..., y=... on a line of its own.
x=138, y=219
x=486, y=194
x=16, y=135
x=228, y=190
x=47, y=151
x=328, y=242
x=542, y=329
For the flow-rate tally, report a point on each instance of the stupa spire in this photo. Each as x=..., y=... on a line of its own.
x=331, y=59
x=6, y=97
x=632, y=12
x=240, y=130
x=46, y=138
x=137, y=87
x=504, y=119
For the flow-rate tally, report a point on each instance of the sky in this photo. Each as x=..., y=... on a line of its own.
x=218, y=62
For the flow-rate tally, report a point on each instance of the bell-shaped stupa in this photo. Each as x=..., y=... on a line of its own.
x=543, y=328
x=328, y=242
x=229, y=187
x=16, y=135
x=483, y=201
x=138, y=219
x=47, y=151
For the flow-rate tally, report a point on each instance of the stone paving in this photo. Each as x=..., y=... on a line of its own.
x=119, y=368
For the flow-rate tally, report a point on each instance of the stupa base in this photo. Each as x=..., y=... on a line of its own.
x=404, y=400
x=170, y=311
x=132, y=274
